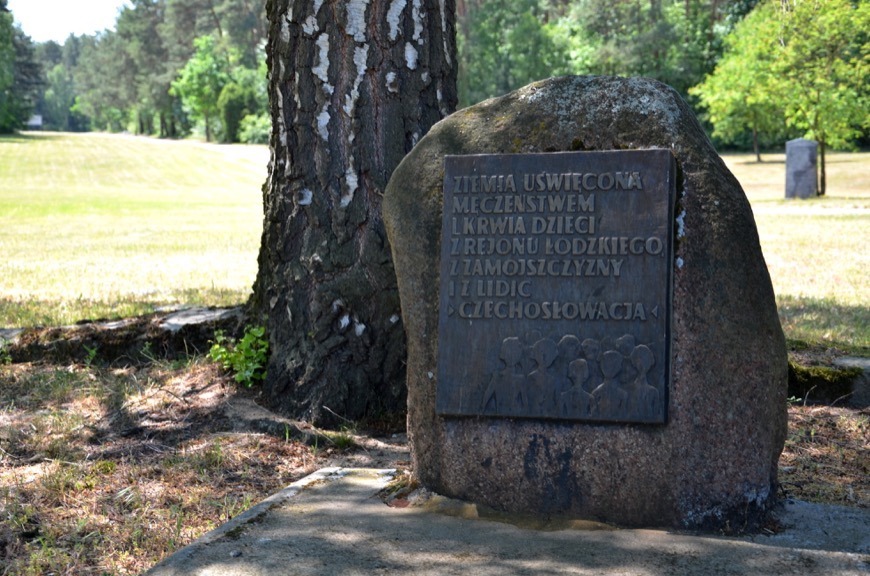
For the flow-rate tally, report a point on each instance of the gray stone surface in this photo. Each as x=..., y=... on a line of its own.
x=713, y=465
x=801, y=173
x=9, y=335
x=333, y=523
x=861, y=386
x=196, y=316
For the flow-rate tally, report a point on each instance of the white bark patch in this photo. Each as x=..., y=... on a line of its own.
x=681, y=224
x=418, y=22
x=439, y=92
x=351, y=184
x=317, y=5
x=360, y=57
x=343, y=322
x=356, y=19
x=394, y=13
x=296, y=91
x=282, y=128
x=444, y=31
x=310, y=27
x=359, y=328
x=392, y=82
x=323, y=123
x=410, y=56
x=285, y=27
x=321, y=70
x=394, y=318
x=305, y=197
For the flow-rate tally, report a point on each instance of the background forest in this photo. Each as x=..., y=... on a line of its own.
x=757, y=72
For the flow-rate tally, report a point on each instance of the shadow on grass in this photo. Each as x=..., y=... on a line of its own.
x=826, y=320
x=27, y=313
x=146, y=445
x=20, y=138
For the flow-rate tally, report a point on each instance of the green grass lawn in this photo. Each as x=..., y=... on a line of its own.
x=99, y=225
x=95, y=225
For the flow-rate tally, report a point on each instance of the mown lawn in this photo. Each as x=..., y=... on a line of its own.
x=817, y=250
x=97, y=225
x=100, y=225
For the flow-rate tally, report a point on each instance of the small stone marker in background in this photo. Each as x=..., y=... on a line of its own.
x=502, y=410
x=801, y=174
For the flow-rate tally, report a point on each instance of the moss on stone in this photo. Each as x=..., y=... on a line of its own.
x=820, y=383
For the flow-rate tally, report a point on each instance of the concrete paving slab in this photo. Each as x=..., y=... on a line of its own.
x=333, y=522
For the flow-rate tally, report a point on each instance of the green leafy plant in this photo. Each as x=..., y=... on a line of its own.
x=91, y=354
x=246, y=359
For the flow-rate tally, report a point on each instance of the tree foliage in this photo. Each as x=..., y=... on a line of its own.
x=504, y=45
x=802, y=64
x=201, y=81
x=20, y=74
x=737, y=94
x=121, y=79
x=822, y=68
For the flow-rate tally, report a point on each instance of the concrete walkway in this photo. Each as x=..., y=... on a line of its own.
x=332, y=522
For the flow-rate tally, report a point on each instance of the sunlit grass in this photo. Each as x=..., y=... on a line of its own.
x=817, y=250
x=98, y=225
x=95, y=225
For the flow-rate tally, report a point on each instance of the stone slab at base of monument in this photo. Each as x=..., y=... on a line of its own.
x=592, y=332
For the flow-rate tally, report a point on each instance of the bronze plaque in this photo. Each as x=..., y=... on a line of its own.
x=556, y=286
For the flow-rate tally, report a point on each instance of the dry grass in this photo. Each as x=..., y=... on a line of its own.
x=817, y=250
x=107, y=471
x=826, y=456
x=96, y=225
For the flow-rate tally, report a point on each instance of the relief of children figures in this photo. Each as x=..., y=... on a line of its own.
x=505, y=393
x=592, y=352
x=644, y=400
x=610, y=398
x=576, y=401
x=573, y=379
x=543, y=380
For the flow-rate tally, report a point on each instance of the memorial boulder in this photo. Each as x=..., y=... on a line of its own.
x=591, y=327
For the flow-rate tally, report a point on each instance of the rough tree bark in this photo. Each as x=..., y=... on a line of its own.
x=353, y=85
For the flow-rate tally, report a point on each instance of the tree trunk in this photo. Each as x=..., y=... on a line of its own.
x=822, y=177
x=353, y=86
x=755, y=142
x=207, y=127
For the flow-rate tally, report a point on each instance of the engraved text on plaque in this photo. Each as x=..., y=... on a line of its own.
x=556, y=286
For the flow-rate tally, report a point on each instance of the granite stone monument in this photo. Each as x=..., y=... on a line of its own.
x=592, y=331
